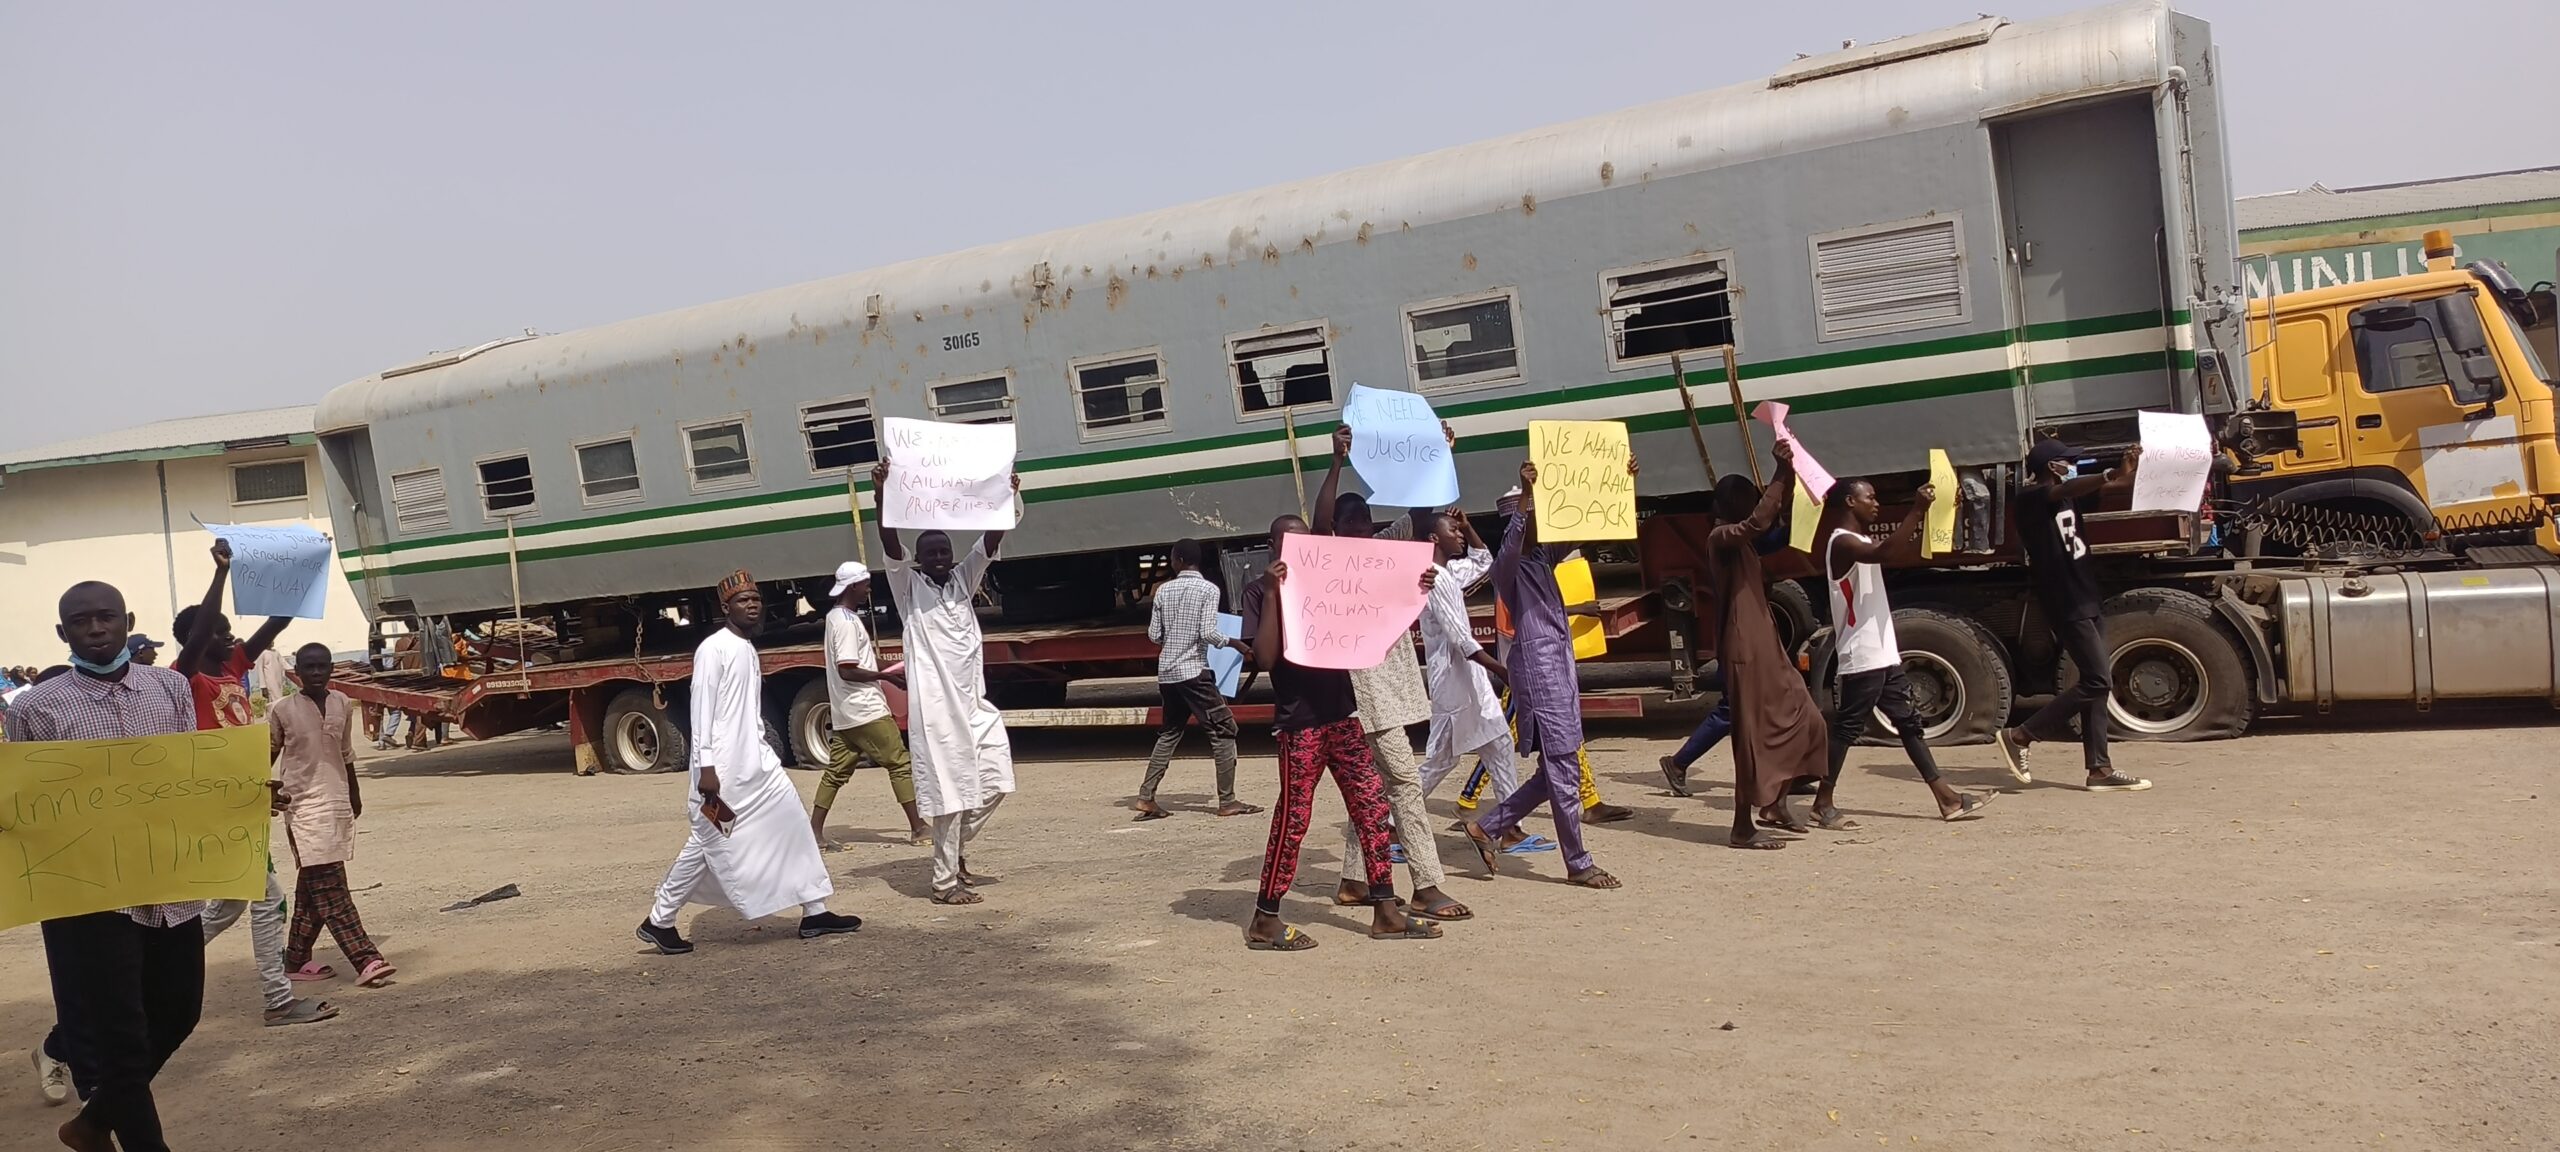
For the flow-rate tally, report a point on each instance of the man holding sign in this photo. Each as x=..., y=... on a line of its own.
x=1546, y=692
x=128, y=984
x=1779, y=737
x=2051, y=502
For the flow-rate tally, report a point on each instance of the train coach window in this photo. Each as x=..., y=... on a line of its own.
x=840, y=434
x=1119, y=395
x=1464, y=342
x=1282, y=368
x=418, y=503
x=1683, y=305
x=608, y=472
x=506, y=485
x=716, y=455
x=988, y=401
x=1888, y=278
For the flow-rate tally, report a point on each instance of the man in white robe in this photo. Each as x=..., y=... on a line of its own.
x=1466, y=715
x=749, y=847
x=963, y=757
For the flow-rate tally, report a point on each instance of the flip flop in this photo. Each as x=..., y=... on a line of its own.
x=310, y=971
x=958, y=896
x=1530, y=847
x=1291, y=940
x=1608, y=814
x=1339, y=902
x=375, y=973
x=1239, y=809
x=1595, y=878
x=1158, y=814
x=1413, y=930
x=1451, y=912
x=1831, y=820
x=1757, y=843
x=1395, y=853
x=1486, y=846
x=1786, y=823
x=1970, y=809
x=304, y=1012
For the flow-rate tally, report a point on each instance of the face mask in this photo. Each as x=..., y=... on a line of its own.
x=124, y=656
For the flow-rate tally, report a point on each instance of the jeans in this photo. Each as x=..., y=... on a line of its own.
x=2086, y=697
x=1710, y=732
x=1861, y=695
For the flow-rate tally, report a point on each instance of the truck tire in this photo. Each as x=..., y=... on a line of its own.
x=640, y=736
x=2179, y=673
x=1958, y=675
x=1791, y=608
x=773, y=721
x=811, y=723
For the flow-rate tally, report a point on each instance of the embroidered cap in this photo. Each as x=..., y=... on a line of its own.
x=734, y=583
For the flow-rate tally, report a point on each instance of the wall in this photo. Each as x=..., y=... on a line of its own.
x=59, y=526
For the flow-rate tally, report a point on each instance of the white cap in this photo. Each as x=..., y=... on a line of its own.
x=848, y=574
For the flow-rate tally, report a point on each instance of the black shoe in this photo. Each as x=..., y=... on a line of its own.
x=665, y=940
x=827, y=924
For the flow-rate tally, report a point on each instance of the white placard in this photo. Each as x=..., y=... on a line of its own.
x=951, y=476
x=2177, y=456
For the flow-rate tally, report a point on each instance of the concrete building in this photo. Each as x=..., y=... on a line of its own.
x=124, y=507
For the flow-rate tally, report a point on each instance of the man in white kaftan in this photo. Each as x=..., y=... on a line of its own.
x=963, y=757
x=749, y=847
x=1466, y=714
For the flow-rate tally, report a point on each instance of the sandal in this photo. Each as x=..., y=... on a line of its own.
x=1830, y=820
x=1291, y=940
x=1486, y=846
x=1239, y=808
x=301, y=1012
x=1339, y=901
x=1593, y=877
x=1413, y=930
x=1970, y=808
x=1530, y=846
x=312, y=970
x=375, y=973
x=1784, y=820
x=1755, y=843
x=1608, y=814
x=1152, y=813
x=1451, y=912
x=958, y=895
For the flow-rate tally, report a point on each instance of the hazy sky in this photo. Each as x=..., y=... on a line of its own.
x=215, y=207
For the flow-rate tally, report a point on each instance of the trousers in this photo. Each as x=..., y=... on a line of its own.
x=2086, y=697
x=266, y=937
x=1305, y=755
x=1392, y=752
x=127, y=996
x=1861, y=696
x=320, y=897
x=1184, y=700
x=878, y=742
x=1556, y=785
x=1494, y=762
x=1709, y=733
x=952, y=833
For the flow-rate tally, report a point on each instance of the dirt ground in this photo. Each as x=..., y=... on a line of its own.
x=2316, y=938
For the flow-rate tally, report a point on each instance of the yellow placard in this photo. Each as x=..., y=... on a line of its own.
x=1940, y=532
x=1803, y=519
x=91, y=825
x=1575, y=586
x=1584, y=490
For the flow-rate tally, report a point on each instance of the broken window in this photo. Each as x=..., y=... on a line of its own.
x=840, y=434
x=1463, y=342
x=1285, y=368
x=1119, y=395
x=506, y=485
x=988, y=401
x=1685, y=306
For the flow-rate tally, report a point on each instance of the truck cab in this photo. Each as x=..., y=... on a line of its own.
x=2406, y=412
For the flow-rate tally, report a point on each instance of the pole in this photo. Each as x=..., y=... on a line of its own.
x=1690, y=406
x=515, y=591
x=1741, y=418
x=853, y=502
x=1298, y=479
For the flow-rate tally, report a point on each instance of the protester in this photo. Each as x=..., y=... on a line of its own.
x=146, y=651
x=128, y=985
x=1390, y=697
x=748, y=834
x=312, y=734
x=859, y=725
x=2050, y=506
x=963, y=756
x=1779, y=736
x=1466, y=715
x=1869, y=657
x=1183, y=621
x=1546, y=692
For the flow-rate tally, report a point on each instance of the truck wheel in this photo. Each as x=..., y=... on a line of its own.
x=811, y=724
x=2179, y=674
x=1791, y=608
x=1959, y=678
x=640, y=736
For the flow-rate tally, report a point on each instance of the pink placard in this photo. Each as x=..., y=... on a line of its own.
x=1817, y=479
x=1347, y=601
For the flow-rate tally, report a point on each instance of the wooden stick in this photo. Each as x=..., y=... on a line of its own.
x=1289, y=421
x=1690, y=406
x=1741, y=417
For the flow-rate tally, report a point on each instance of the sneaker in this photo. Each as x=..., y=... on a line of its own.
x=665, y=940
x=2014, y=755
x=2115, y=781
x=1675, y=774
x=53, y=1077
x=827, y=924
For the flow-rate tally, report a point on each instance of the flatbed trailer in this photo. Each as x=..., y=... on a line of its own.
x=626, y=713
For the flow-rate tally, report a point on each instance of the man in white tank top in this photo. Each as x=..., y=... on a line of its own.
x=1870, y=660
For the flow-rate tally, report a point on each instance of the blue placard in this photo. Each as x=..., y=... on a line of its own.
x=277, y=570
x=1228, y=663
x=1398, y=449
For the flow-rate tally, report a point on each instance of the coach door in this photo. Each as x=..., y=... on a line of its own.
x=2080, y=211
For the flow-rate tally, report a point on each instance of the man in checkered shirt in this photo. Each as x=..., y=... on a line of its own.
x=128, y=984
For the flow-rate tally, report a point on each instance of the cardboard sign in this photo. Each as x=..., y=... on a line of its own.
x=1584, y=489
x=2177, y=457
x=1349, y=601
x=1816, y=478
x=276, y=570
x=1398, y=449
x=1227, y=663
x=957, y=477
x=92, y=825
x=1939, y=534
x=1804, y=517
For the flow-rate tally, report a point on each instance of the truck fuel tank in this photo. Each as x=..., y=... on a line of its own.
x=2413, y=636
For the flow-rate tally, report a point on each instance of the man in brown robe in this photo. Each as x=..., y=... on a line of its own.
x=1779, y=737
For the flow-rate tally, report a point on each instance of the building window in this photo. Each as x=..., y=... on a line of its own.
x=1119, y=395
x=270, y=482
x=716, y=455
x=506, y=486
x=608, y=472
x=840, y=434
x=1459, y=343
x=1888, y=278
x=1682, y=306
x=1282, y=368
x=418, y=502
